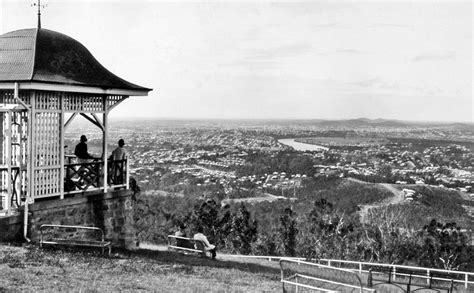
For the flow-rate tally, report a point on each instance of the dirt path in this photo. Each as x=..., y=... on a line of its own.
x=268, y=197
x=395, y=199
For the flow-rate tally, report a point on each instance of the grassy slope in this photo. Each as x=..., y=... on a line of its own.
x=52, y=270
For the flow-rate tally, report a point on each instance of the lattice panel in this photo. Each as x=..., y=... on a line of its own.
x=48, y=100
x=112, y=100
x=47, y=139
x=47, y=182
x=7, y=97
x=46, y=154
x=83, y=103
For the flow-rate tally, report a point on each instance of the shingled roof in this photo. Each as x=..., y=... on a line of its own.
x=45, y=56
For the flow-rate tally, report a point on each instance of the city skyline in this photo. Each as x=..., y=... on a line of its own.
x=262, y=60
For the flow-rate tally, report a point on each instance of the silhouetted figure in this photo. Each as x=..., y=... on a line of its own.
x=181, y=233
x=119, y=153
x=81, y=152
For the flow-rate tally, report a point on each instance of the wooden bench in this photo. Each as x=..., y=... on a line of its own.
x=187, y=245
x=403, y=279
x=64, y=235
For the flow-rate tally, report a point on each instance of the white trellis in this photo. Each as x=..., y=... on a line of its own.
x=32, y=150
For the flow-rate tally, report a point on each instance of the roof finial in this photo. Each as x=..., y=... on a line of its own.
x=39, y=11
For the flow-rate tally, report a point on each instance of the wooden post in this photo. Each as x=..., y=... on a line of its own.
x=9, y=161
x=61, y=147
x=105, y=141
x=127, y=174
x=18, y=148
x=32, y=152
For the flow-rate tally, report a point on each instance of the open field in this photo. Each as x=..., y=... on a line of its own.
x=52, y=270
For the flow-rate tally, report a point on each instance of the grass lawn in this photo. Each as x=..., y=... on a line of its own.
x=51, y=270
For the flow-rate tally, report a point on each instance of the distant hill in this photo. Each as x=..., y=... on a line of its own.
x=365, y=122
x=250, y=123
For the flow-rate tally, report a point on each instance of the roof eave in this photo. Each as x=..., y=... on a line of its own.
x=28, y=85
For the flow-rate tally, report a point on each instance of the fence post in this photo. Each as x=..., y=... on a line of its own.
x=360, y=268
x=466, y=279
x=394, y=273
x=428, y=277
x=329, y=263
x=296, y=281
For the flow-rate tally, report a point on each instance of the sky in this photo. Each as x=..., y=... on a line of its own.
x=275, y=60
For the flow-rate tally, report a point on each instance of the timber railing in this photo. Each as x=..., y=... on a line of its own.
x=11, y=189
x=424, y=274
x=81, y=177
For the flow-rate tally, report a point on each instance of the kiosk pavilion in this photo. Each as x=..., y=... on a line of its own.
x=46, y=80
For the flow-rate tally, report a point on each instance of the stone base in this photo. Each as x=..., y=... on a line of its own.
x=110, y=211
x=11, y=228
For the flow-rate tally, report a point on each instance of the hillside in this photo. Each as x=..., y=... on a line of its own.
x=36, y=270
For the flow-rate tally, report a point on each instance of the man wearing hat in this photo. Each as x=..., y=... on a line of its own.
x=81, y=151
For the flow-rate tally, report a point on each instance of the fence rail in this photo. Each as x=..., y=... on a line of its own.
x=465, y=278
x=301, y=274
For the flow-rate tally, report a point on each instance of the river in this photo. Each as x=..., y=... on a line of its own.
x=299, y=146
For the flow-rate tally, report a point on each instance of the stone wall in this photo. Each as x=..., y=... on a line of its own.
x=11, y=228
x=113, y=212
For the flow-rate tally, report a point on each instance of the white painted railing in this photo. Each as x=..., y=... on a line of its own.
x=318, y=277
x=363, y=267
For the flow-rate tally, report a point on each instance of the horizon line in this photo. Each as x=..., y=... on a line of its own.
x=286, y=119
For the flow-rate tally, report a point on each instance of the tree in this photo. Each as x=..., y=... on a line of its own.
x=288, y=232
x=301, y=165
x=445, y=246
x=243, y=230
x=206, y=216
x=385, y=171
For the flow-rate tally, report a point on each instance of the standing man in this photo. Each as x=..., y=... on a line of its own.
x=119, y=153
x=117, y=166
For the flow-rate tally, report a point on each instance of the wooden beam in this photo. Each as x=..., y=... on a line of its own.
x=70, y=120
x=16, y=95
x=92, y=121
x=117, y=103
x=40, y=86
x=97, y=119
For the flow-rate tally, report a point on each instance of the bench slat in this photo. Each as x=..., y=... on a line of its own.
x=76, y=242
x=190, y=241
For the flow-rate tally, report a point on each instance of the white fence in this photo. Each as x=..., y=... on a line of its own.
x=296, y=274
x=467, y=278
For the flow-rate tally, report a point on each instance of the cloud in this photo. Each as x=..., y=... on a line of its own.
x=370, y=82
x=390, y=25
x=280, y=52
x=433, y=56
x=345, y=52
x=328, y=25
x=351, y=51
